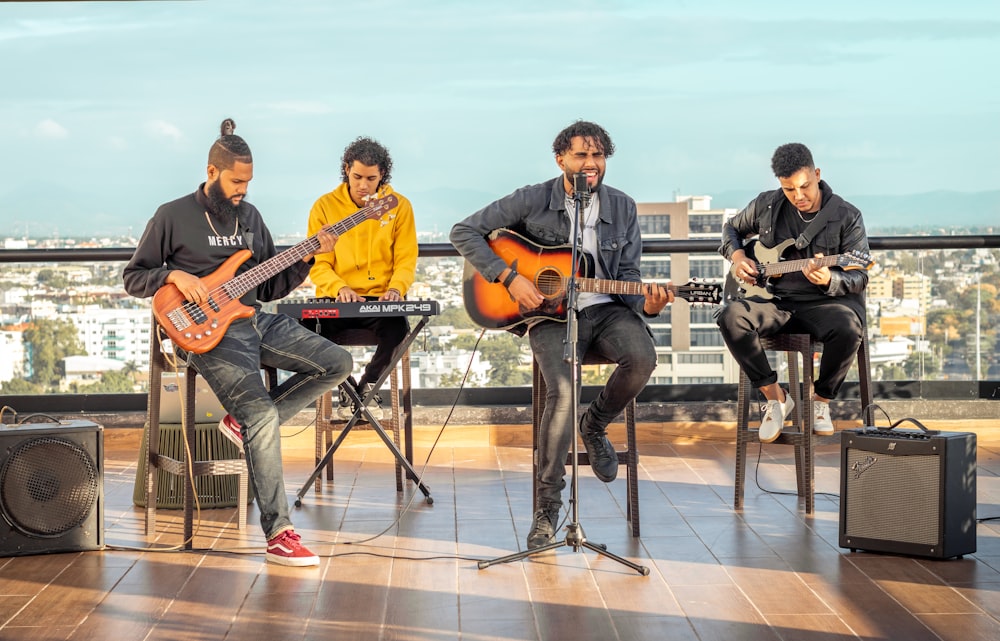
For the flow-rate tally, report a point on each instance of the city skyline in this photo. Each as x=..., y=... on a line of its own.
x=108, y=112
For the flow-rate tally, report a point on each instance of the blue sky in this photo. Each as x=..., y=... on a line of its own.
x=107, y=109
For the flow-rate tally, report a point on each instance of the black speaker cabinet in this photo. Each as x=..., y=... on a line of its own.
x=908, y=492
x=51, y=487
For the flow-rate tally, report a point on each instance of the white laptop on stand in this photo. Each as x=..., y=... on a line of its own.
x=207, y=408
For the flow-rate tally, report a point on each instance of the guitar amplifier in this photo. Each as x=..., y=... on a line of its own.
x=908, y=492
x=51, y=487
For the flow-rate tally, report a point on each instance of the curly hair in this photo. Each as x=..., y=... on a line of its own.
x=789, y=158
x=367, y=151
x=228, y=149
x=587, y=130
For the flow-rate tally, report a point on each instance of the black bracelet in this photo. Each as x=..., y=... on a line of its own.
x=510, y=278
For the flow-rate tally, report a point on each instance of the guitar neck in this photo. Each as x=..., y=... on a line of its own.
x=276, y=264
x=621, y=287
x=788, y=266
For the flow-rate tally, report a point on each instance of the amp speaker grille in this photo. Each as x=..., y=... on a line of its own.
x=894, y=498
x=48, y=486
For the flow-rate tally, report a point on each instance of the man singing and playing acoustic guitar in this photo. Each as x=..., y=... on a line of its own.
x=179, y=258
x=825, y=302
x=611, y=325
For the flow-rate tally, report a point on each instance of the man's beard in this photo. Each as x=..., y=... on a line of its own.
x=222, y=207
x=591, y=189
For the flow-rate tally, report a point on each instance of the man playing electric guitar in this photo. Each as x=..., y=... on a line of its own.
x=186, y=242
x=612, y=325
x=821, y=299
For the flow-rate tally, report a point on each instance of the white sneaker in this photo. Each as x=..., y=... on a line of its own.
x=822, y=425
x=374, y=404
x=775, y=413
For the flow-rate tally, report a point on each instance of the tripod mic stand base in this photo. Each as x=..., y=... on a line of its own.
x=575, y=539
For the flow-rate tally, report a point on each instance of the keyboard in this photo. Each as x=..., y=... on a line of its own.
x=330, y=308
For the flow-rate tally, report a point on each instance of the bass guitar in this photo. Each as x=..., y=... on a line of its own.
x=198, y=328
x=769, y=265
x=490, y=305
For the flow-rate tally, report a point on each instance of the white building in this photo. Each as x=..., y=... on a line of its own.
x=11, y=355
x=88, y=369
x=689, y=346
x=118, y=334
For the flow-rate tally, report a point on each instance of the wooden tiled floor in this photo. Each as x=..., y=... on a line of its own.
x=400, y=569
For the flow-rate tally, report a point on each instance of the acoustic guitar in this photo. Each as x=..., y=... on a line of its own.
x=490, y=304
x=198, y=328
x=769, y=265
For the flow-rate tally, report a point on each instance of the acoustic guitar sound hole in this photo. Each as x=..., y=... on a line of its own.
x=550, y=282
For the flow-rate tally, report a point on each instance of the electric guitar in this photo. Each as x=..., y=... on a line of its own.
x=490, y=304
x=769, y=265
x=198, y=328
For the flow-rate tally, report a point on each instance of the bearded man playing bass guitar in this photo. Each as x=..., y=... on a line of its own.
x=611, y=325
x=825, y=302
x=184, y=245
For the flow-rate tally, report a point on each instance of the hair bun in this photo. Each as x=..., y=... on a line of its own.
x=228, y=127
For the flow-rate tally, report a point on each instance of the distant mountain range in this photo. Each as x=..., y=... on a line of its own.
x=930, y=211
x=55, y=210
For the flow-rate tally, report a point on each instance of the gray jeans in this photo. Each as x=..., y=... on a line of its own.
x=610, y=330
x=232, y=370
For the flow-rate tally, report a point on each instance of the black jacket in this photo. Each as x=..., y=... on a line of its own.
x=844, y=232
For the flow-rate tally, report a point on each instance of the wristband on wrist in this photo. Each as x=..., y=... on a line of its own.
x=510, y=278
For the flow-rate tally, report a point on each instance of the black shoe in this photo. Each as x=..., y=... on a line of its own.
x=601, y=453
x=543, y=527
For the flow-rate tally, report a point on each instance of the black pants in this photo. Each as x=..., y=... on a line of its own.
x=744, y=321
x=389, y=331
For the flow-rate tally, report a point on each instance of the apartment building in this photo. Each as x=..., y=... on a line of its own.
x=688, y=343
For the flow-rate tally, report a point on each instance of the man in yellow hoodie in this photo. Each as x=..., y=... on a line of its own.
x=376, y=260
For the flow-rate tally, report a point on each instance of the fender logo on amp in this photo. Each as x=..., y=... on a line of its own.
x=862, y=466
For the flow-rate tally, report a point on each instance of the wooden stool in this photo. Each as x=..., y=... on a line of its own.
x=400, y=408
x=179, y=466
x=628, y=457
x=798, y=348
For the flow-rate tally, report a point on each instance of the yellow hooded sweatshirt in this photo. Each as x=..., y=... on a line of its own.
x=371, y=258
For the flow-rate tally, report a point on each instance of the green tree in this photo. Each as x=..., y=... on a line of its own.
x=919, y=366
x=52, y=278
x=49, y=342
x=503, y=351
x=18, y=386
x=454, y=316
x=111, y=382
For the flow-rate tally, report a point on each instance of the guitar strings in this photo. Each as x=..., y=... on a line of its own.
x=221, y=297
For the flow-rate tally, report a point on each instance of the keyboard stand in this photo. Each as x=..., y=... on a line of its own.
x=361, y=404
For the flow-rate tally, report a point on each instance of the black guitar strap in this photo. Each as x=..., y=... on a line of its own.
x=819, y=222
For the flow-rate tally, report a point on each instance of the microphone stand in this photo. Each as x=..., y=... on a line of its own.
x=575, y=536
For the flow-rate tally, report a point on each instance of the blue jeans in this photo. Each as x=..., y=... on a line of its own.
x=232, y=370
x=612, y=331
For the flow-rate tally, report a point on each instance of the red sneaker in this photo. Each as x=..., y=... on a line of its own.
x=231, y=430
x=286, y=549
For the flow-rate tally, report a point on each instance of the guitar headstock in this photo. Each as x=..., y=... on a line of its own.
x=855, y=259
x=377, y=207
x=696, y=292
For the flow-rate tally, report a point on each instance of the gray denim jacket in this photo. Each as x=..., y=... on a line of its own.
x=538, y=212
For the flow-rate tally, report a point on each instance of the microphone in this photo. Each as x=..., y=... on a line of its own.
x=581, y=191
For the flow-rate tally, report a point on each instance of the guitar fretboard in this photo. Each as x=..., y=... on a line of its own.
x=625, y=287
x=273, y=266
x=788, y=266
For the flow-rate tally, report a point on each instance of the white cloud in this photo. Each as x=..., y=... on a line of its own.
x=163, y=129
x=51, y=129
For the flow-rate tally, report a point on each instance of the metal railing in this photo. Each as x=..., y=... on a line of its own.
x=956, y=390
